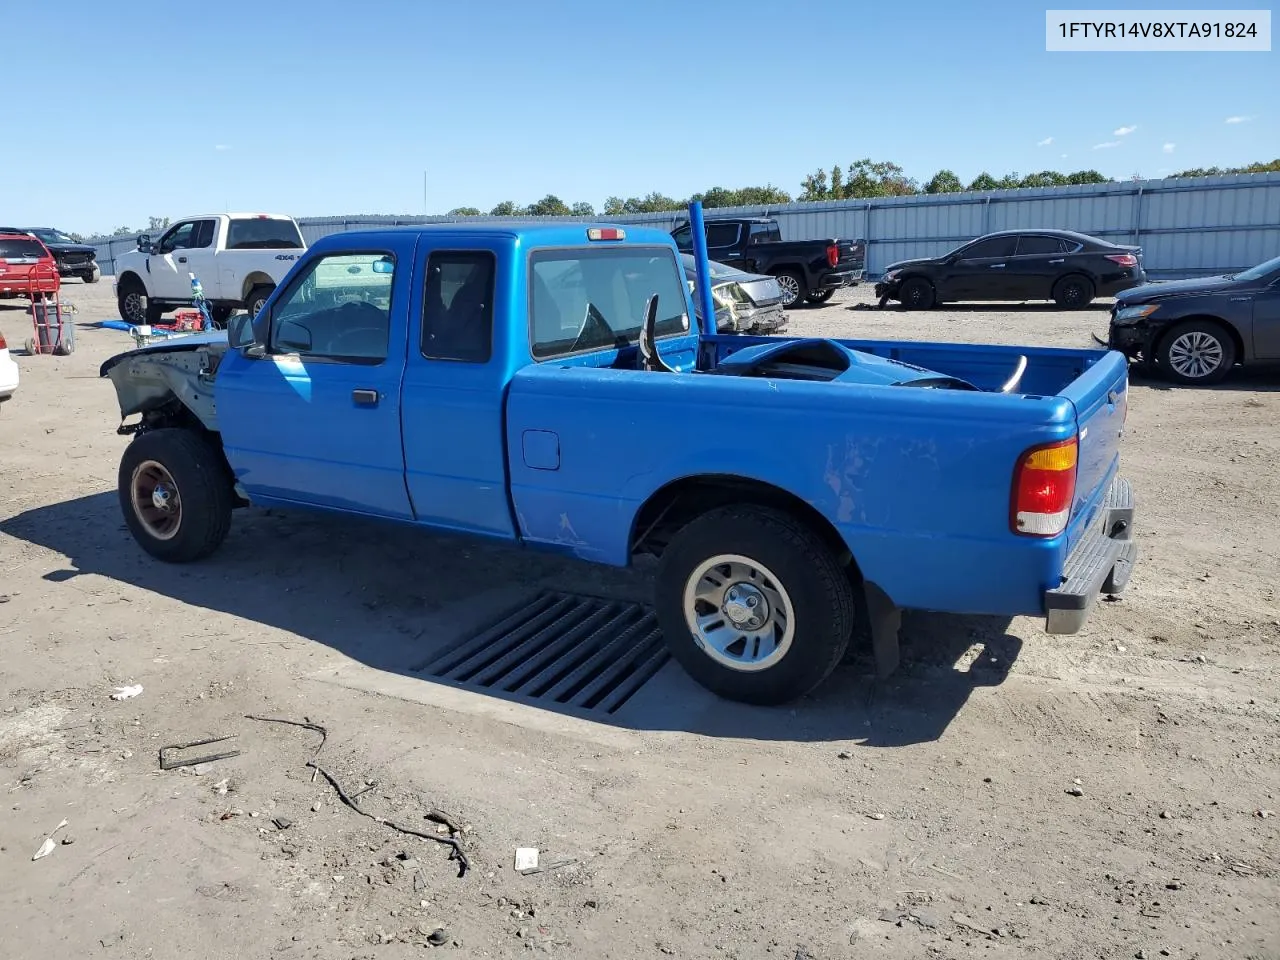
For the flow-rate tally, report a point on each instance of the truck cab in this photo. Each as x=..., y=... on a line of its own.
x=545, y=386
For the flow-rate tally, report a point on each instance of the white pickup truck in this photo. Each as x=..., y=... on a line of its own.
x=237, y=257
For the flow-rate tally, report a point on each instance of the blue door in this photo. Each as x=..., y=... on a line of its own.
x=454, y=387
x=315, y=420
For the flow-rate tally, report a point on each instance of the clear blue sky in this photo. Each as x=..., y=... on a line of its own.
x=332, y=107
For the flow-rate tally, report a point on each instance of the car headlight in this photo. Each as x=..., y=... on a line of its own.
x=1133, y=314
x=728, y=295
x=891, y=274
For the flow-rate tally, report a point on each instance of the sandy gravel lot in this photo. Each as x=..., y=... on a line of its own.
x=929, y=816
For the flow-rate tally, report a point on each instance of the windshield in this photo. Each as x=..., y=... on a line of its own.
x=53, y=236
x=263, y=233
x=594, y=298
x=1260, y=271
x=718, y=271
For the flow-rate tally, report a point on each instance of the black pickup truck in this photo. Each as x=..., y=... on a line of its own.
x=807, y=270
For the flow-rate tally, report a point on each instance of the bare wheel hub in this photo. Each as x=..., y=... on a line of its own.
x=746, y=606
x=156, y=501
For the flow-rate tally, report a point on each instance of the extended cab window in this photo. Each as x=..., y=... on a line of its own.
x=340, y=309
x=765, y=233
x=263, y=233
x=592, y=299
x=457, y=306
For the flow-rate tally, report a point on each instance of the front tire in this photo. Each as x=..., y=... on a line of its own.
x=135, y=306
x=917, y=293
x=91, y=276
x=754, y=605
x=176, y=494
x=794, y=289
x=1197, y=353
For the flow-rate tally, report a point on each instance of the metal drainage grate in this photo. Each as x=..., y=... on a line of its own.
x=589, y=653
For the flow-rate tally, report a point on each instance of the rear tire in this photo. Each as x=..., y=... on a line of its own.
x=176, y=494
x=257, y=297
x=1197, y=353
x=784, y=574
x=917, y=293
x=1073, y=292
x=821, y=296
x=794, y=289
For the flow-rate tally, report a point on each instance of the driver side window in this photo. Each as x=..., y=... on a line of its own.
x=179, y=238
x=339, y=309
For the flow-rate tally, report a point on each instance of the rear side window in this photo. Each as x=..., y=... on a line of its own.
x=765, y=233
x=592, y=299
x=723, y=234
x=20, y=249
x=1031, y=245
x=263, y=234
x=457, y=306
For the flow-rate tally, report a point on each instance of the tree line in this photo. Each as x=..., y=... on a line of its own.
x=862, y=178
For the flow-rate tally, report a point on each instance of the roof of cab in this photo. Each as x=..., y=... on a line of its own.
x=533, y=233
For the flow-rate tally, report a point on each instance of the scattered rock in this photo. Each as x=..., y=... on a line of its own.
x=1165, y=815
x=68, y=840
x=876, y=816
x=987, y=780
x=1075, y=792
x=1174, y=884
x=315, y=807
x=282, y=823
x=438, y=937
x=844, y=755
x=1264, y=814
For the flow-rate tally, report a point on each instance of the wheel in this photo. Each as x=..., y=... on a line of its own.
x=176, y=494
x=753, y=604
x=916, y=293
x=257, y=297
x=1197, y=352
x=821, y=296
x=90, y=276
x=1071, y=293
x=130, y=300
x=794, y=289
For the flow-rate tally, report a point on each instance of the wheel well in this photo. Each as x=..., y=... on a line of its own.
x=129, y=277
x=676, y=504
x=1238, y=341
x=1076, y=275
x=257, y=279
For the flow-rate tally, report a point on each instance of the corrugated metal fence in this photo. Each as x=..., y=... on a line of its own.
x=1186, y=227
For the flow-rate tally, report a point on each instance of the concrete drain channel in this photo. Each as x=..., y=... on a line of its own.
x=585, y=653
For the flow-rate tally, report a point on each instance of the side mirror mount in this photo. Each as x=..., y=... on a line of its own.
x=294, y=336
x=144, y=243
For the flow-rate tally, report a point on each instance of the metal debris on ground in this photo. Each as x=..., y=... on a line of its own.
x=456, y=853
x=305, y=724
x=436, y=815
x=168, y=760
x=555, y=865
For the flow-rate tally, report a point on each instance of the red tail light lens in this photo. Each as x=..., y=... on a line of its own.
x=1124, y=259
x=1044, y=487
x=833, y=254
x=3, y=345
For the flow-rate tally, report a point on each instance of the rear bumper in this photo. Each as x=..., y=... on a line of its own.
x=1101, y=563
x=838, y=279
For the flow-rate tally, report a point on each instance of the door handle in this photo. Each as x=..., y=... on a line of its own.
x=998, y=266
x=1059, y=260
x=1240, y=299
x=182, y=259
x=366, y=398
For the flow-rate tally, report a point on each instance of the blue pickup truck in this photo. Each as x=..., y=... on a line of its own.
x=544, y=385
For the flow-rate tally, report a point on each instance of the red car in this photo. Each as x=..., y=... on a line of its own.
x=26, y=267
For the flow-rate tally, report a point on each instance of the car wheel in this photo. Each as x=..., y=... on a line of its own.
x=134, y=305
x=257, y=297
x=916, y=293
x=176, y=494
x=793, y=287
x=91, y=276
x=820, y=296
x=1071, y=293
x=1198, y=352
x=753, y=604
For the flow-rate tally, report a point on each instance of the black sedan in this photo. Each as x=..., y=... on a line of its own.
x=745, y=302
x=1195, y=331
x=1061, y=265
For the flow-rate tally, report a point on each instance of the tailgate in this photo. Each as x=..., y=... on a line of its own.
x=853, y=254
x=1100, y=397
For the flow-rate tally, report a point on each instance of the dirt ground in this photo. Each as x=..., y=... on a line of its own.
x=1008, y=794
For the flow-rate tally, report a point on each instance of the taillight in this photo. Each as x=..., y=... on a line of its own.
x=1044, y=487
x=833, y=254
x=1124, y=259
x=3, y=345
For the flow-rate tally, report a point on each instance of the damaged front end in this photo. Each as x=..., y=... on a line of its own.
x=169, y=383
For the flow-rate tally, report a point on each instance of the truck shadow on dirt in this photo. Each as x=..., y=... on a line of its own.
x=385, y=596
